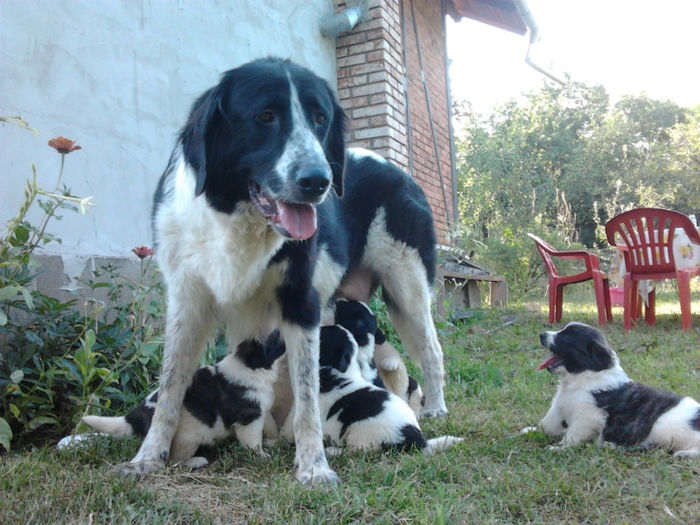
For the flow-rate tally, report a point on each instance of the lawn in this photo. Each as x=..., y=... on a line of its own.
x=493, y=389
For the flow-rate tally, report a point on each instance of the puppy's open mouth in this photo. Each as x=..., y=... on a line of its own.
x=551, y=363
x=292, y=219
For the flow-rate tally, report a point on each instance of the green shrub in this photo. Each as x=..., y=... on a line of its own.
x=57, y=359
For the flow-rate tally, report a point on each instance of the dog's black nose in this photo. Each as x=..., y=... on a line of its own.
x=314, y=182
x=542, y=339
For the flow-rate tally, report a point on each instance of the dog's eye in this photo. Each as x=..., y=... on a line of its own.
x=266, y=117
x=319, y=118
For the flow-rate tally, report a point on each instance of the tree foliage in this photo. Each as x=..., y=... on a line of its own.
x=564, y=160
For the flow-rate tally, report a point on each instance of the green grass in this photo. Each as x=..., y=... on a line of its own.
x=497, y=476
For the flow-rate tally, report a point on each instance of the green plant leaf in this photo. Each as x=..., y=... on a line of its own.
x=28, y=298
x=5, y=434
x=89, y=341
x=3, y=318
x=41, y=420
x=15, y=411
x=9, y=292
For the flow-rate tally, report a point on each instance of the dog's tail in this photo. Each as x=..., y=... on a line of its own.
x=441, y=443
x=115, y=426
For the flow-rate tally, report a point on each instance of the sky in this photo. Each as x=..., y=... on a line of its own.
x=627, y=46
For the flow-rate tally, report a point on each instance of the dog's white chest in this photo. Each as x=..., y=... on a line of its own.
x=226, y=253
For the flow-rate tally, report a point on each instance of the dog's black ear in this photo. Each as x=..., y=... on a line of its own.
x=600, y=355
x=379, y=337
x=336, y=348
x=193, y=135
x=345, y=353
x=335, y=147
x=273, y=347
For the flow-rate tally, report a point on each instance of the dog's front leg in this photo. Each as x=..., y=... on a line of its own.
x=187, y=325
x=302, y=351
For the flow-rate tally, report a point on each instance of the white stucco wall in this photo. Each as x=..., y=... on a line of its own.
x=119, y=77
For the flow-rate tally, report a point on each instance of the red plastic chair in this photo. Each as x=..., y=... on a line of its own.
x=557, y=282
x=647, y=234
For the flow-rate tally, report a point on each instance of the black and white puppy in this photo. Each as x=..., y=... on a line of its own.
x=360, y=321
x=250, y=234
x=230, y=399
x=357, y=413
x=380, y=363
x=596, y=400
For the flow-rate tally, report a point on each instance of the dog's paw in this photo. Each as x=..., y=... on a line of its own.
x=139, y=468
x=195, y=462
x=690, y=453
x=390, y=364
x=556, y=448
x=427, y=412
x=317, y=476
x=270, y=442
x=527, y=430
x=332, y=452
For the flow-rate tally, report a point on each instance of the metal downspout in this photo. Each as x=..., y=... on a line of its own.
x=526, y=15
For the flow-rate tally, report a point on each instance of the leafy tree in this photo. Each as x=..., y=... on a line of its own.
x=561, y=162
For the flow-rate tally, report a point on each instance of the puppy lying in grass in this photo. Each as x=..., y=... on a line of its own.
x=380, y=363
x=356, y=412
x=230, y=399
x=596, y=400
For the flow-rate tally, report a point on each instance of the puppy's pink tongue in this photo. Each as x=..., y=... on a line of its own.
x=299, y=220
x=544, y=364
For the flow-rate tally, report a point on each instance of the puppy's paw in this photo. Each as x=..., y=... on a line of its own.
x=390, y=363
x=317, y=476
x=556, y=448
x=690, y=453
x=332, y=452
x=195, y=462
x=527, y=430
x=139, y=468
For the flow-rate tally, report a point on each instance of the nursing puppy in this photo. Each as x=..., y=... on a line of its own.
x=360, y=321
x=230, y=399
x=380, y=363
x=359, y=414
x=596, y=400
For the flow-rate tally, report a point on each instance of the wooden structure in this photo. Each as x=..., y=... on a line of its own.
x=458, y=283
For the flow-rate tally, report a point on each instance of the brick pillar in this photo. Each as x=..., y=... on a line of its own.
x=370, y=82
x=373, y=82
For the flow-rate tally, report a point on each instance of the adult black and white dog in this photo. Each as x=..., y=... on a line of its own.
x=230, y=399
x=249, y=234
x=596, y=400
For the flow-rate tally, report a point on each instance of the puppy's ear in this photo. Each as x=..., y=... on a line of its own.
x=193, y=135
x=345, y=353
x=600, y=355
x=273, y=347
x=335, y=147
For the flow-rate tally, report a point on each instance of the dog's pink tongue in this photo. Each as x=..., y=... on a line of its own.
x=299, y=220
x=545, y=364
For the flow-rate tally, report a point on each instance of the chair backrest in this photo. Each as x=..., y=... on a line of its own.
x=648, y=235
x=545, y=250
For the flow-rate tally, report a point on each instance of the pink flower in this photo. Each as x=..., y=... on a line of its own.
x=142, y=251
x=64, y=145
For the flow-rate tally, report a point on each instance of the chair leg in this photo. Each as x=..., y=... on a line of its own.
x=684, y=297
x=650, y=312
x=629, y=306
x=608, y=302
x=560, y=302
x=600, y=297
x=552, y=302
